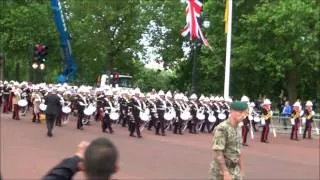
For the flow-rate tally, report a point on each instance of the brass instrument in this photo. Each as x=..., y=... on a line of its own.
x=309, y=116
x=267, y=116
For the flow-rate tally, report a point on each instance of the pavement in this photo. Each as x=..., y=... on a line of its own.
x=27, y=153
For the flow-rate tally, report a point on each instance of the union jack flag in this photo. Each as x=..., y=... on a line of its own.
x=193, y=27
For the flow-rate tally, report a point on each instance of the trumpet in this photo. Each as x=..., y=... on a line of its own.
x=268, y=116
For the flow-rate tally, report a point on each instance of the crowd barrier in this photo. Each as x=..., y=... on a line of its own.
x=283, y=125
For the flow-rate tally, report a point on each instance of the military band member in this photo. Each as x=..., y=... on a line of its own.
x=245, y=123
x=81, y=105
x=15, y=100
x=108, y=107
x=308, y=113
x=36, y=101
x=161, y=109
x=135, y=107
x=267, y=115
x=99, y=103
x=207, y=111
x=59, y=115
x=1, y=92
x=178, y=106
x=6, y=94
x=226, y=145
x=194, y=108
x=153, y=111
x=295, y=121
x=216, y=108
x=124, y=105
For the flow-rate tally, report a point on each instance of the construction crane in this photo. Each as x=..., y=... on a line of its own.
x=70, y=67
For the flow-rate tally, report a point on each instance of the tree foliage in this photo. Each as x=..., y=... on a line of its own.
x=275, y=44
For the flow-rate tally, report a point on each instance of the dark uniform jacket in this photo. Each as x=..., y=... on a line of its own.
x=53, y=104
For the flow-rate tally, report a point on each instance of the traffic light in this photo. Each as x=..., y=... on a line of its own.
x=40, y=52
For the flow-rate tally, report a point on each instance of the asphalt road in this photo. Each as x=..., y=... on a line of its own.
x=27, y=153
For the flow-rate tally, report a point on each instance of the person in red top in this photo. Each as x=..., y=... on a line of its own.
x=295, y=121
x=266, y=120
x=308, y=115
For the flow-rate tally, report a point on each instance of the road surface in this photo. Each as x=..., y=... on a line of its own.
x=27, y=153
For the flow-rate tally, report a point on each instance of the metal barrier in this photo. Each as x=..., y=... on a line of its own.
x=283, y=125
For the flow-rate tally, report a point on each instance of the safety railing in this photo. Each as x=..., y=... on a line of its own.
x=283, y=125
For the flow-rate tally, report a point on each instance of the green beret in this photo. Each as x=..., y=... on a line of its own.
x=239, y=106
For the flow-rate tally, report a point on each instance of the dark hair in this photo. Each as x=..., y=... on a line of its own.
x=100, y=159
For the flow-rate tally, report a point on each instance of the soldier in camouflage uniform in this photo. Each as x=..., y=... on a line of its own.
x=226, y=145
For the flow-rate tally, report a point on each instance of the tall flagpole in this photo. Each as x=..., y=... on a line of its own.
x=228, y=52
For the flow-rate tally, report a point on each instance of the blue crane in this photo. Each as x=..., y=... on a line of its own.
x=70, y=68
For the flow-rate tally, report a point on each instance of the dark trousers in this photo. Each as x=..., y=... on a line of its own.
x=123, y=118
x=151, y=123
x=15, y=114
x=294, y=130
x=80, y=117
x=59, y=117
x=106, y=124
x=36, y=117
x=206, y=124
x=177, y=126
x=265, y=132
x=50, y=118
x=135, y=126
x=5, y=106
x=245, y=130
x=254, y=126
x=192, y=126
x=307, y=128
x=160, y=125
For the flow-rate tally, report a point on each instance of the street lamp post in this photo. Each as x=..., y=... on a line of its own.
x=36, y=67
x=196, y=47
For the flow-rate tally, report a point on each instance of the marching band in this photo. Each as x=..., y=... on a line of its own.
x=136, y=110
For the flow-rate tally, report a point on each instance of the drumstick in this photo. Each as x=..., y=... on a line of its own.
x=273, y=129
x=251, y=130
x=317, y=129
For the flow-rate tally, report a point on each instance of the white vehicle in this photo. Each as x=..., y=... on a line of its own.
x=123, y=81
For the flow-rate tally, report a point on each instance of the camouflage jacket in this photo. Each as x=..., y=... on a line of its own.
x=226, y=139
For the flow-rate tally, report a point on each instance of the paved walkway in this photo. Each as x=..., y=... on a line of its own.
x=26, y=153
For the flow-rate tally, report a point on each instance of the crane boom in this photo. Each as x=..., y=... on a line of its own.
x=70, y=68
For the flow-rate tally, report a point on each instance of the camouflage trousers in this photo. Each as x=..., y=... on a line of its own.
x=216, y=174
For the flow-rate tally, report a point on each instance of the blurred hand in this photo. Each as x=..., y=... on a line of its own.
x=81, y=149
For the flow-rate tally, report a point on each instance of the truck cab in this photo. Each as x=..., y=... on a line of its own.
x=119, y=81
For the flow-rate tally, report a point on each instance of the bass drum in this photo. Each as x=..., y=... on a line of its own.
x=88, y=112
x=212, y=118
x=66, y=109
x=200, y=116
x=144, y=116
x=42, y=107
x=256, y=119
x=185, y=115
x=114, y=116
x=263, y=122
x=250, y=117
x=22, y=103
x=168, y=116
x=222, y=116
